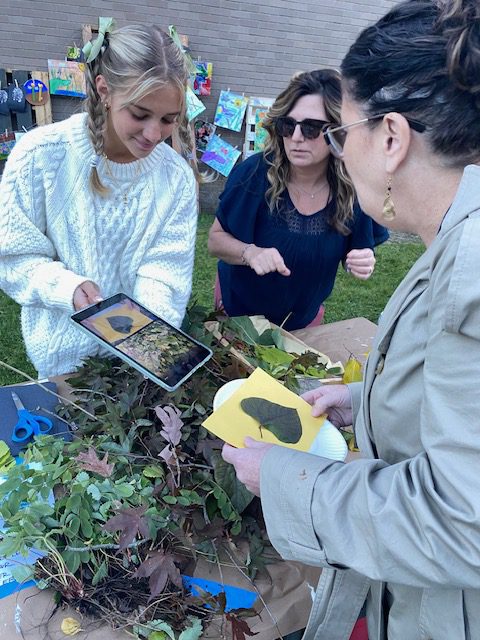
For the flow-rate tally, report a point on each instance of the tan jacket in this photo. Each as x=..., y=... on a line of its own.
x=402, y=525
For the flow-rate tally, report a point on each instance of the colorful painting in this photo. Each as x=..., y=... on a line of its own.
x=203, y=133
x=230, y=110
x=7, y=142
x=194, y=106
x=202, y=83
x=220, y=155
x=67, y=78
x=261, y=134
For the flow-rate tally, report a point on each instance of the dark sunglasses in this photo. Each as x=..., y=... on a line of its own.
x=310, y=128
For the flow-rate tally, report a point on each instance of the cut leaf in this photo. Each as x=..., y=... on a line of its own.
x=283, y=422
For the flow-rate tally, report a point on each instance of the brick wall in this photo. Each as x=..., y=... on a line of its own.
x=254, y=46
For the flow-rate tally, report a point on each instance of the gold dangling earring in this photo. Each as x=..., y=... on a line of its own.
x=388, y=206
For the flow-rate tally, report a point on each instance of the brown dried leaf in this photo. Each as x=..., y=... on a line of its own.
x=172, y=424
x=240, y=628
x=91, y=462
x=159, y=567
x=172, y=430
x=129, y=522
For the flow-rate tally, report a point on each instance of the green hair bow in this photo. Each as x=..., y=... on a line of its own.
x=91, y=51
x=173, y=33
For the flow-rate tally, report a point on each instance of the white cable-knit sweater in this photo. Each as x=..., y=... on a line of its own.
x=55, y=234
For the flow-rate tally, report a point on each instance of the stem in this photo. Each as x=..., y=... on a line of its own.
x=98, y=547
x=272, y=617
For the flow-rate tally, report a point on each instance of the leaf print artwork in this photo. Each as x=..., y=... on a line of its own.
x=122, y=324
x=283, y=422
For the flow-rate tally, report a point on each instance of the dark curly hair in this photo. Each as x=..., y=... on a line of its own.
x=422, y=59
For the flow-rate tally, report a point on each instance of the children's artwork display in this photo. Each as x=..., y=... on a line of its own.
x=194, y=106
x=220, y=155
x=230, y=110
x=203, y=133
x=261, y=134
x=7, y=142
x=202, y=83
x=67, y=78
x=255, y=135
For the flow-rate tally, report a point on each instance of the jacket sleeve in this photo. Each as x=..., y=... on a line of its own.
x=30, y=271
x=415, y=522
x=164, y=278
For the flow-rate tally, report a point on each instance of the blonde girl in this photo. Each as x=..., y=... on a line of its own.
x=99, y=203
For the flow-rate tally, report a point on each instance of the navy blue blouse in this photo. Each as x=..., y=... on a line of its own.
x=310, y=247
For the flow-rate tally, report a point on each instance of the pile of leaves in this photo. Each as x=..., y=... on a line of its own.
x=141, y=494
x=266, y=350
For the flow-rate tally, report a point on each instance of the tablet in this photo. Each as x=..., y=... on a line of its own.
x=163, y=353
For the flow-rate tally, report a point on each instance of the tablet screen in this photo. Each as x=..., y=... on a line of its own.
x=161, y=349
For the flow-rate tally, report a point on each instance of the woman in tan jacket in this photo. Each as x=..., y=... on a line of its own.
x=400, y=529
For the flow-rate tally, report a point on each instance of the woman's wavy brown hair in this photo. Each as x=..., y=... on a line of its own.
x=326, y=84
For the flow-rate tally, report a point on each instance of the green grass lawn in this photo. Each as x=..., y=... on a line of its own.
x=350, y=298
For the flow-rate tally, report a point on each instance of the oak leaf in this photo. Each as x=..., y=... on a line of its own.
x=172, y=429
x=91, y=462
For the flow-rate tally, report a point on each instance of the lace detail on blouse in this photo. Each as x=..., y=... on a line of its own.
x=313, y=225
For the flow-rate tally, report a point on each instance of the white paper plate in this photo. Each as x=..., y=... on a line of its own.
x=226, y=391
x=329, y=443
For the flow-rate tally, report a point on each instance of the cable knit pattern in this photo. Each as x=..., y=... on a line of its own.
x=55, y=234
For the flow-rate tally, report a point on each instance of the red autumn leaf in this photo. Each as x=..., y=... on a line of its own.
x=159, y=567
x=240, y=628
x=129, y=522
x=91, y=462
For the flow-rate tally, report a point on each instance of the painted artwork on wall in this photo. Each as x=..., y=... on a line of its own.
x=203, y=133
x=202, y=83
x=230, y=110
x=7, y=142
x=261, y=134
x=220, y=155
x=67, y=78
x=255, y=134
x=194, y=106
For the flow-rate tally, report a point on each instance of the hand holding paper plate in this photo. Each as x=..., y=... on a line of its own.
x=262, y=408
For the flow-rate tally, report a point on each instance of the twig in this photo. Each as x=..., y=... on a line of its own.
x=45, y=388
x=98, y=547
x=286, y=319
x=272, y=617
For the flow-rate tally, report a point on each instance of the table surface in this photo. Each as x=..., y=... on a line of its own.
x=287, y=588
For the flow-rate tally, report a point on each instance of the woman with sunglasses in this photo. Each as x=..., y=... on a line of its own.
x=400, y=528
x=287, y=216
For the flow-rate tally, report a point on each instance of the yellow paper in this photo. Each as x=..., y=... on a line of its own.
x=230, y=423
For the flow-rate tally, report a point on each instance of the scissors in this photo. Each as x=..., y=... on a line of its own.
x=28, y=424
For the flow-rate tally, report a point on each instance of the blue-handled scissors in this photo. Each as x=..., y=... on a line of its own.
x=28, y=424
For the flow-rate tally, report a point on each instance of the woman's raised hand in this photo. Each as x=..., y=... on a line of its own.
x=334, y=400
x=264, y=261
x=360, y=263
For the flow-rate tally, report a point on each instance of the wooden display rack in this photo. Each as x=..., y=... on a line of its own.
x=41, y=114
